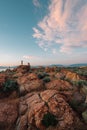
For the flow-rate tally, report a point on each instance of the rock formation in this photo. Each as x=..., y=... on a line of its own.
x=39, y=105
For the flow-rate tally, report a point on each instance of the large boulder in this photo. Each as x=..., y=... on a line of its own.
x=60, y=75
x=72, y=76
x=8, y=115
x=27, y=78
x=48, y=106
x=77, y=102
x=28, y=83
x=59, y=85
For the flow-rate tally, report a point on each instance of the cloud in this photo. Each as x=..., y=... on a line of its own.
x=54, y=51
x=36, y=3
x=30, y=57
x=65, y=25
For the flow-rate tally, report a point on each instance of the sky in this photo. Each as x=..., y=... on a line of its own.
x=43, y=32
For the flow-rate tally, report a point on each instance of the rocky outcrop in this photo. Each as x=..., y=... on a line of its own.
x=50, y=69
x=22, y=69
x=34, y=106
x=29, y=83
x=40, y=105
x=8, y=115
x=26, y=78
x=59, y=85
x=3, y=78
x=60, y=75
x=77, y=102
x=72, y=76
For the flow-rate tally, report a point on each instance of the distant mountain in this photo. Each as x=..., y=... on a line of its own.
x=52, y=65
x=58, y=65
x=6, y=67
x=78, y=65
x=72, y=65
x=3, y=67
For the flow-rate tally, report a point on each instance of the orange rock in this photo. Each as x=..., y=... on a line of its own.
x=8, y=115
x=29, y=82
x=3, y=78
x=50, y=69
x=71, y=75
x=59, y=85
x=26, y=78
x=51, y=101
x=22, y=68
x=59, y=75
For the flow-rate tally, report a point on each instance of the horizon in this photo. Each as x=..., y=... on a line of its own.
x=43, y=32
x=43, y=64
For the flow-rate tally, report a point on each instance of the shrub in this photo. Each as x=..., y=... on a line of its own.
x=84, y=115
x=46, y=79
x=10, y=85
x=49, y=120
x=80, y=83
x=42, y=75
x=68, y=80
x=30, y=71
x=62, y=77
x=78, y=106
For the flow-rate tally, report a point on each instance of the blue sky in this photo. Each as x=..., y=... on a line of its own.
x=43, y=31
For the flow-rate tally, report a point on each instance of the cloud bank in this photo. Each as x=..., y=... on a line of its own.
x=65, y=25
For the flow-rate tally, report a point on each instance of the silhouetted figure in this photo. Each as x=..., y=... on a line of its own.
x=28, y=64
x=21, y=62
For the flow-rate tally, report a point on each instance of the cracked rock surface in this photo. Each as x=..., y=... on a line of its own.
x=26, y=108
x=34, y=106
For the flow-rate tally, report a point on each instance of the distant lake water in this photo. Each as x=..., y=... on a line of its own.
x=4, y=69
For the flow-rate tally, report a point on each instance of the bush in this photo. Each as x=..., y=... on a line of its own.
x=84, y=115
x=49, y=120
x=42, y=75
x=62, y=77
x=80, y=83
x=68, y=80
x=78, y=106
x=46, y=79
x=10, y=85
x=74, y=104
x=58, y=69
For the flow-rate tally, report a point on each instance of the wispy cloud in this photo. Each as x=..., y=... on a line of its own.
x=54, y=51
x=30, y=57
x=36, y=3
x=65, y=25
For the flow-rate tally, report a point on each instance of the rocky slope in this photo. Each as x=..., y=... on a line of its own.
x=40, y=99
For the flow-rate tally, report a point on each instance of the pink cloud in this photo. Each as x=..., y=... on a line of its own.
x=64, y=25
x=30, y=57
